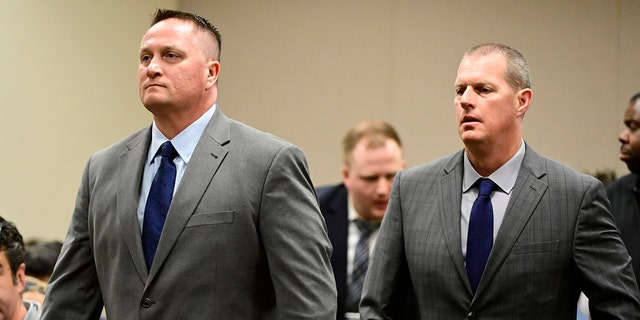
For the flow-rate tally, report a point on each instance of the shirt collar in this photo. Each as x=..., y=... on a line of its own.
x=185, y=142
x=505, y=177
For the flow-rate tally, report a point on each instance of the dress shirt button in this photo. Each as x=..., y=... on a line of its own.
x=147, y=303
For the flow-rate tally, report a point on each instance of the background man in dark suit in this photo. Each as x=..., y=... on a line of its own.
x=537, y=234
x=243, y=236
x=624, y=193
x=372, y=155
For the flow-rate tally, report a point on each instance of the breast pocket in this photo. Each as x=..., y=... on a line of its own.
x=537, y=247
x=209, y=218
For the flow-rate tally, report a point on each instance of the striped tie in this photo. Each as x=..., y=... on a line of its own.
x=360, y=265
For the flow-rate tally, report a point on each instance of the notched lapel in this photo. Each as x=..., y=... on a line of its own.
x=526, y=195
x=130, y=168
x=450, y=199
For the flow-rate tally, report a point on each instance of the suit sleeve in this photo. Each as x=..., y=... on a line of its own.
x=74, y=291
x=603, y=261
x=295, y=240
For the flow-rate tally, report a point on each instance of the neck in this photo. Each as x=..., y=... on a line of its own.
x=172, y=124
x=487, y=160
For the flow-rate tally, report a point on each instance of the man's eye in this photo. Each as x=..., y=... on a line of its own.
x=145, y=58
x=370, y=179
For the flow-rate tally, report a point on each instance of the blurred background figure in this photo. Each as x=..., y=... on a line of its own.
x=40, y=259
x=12, y=276
x=624, y=193
x=353, y=209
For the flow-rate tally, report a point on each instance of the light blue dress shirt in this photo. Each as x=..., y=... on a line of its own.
x=505, y=178
x=184, y=143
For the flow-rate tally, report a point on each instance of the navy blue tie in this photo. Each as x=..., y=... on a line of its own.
x=360, y=266
x=480, y=237
x=158, y=202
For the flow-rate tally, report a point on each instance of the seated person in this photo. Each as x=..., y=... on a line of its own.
x=40, y=259
x=12, y=276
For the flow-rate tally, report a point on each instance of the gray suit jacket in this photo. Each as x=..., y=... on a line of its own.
x=244, y=238
x=557, y=238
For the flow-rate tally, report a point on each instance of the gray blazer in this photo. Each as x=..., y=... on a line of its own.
x=557, y=239
x=244, y=238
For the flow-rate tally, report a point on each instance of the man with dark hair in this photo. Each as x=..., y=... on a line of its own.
x=497, y=231
x=372, y=155
x=624, y=193
x=197, y=216
x=12, y=276
x=40, y=259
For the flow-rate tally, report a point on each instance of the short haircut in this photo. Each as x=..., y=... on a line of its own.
x=635, y=97
x=200, y=23
x=377, y=132
x=41, y=258
x=517, y=74
x=12, y=244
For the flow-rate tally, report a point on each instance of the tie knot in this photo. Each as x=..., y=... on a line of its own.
x=168, y=151
x=365, y=227
x=485, y=187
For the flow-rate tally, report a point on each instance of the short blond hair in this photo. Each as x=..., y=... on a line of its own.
x=517, y=74
x=377, y=132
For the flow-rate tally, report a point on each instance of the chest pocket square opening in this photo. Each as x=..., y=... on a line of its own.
x=209, y=218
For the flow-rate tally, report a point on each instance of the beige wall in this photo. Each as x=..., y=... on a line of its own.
x=306, y=71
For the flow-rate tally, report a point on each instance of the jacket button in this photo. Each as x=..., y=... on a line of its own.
x=147, y=303
x=471, y=315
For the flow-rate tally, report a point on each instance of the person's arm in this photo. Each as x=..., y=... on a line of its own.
x=295, y=240
x=602, y=260
x=73, y=291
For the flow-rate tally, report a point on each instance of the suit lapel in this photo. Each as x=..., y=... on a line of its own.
x=207, y=157
x=451, y=186
x=526, y=195
x=131, y=165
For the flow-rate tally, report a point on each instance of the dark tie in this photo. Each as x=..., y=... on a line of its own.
x=158, y=202
x=360, y=265
x=480, y=237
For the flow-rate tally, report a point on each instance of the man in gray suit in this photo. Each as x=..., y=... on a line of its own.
x=549, y=231
x=243, y=236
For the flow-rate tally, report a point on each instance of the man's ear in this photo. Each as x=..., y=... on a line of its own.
x=213, y=68
x=345, y=177
x=20, y=279
x=524, y=100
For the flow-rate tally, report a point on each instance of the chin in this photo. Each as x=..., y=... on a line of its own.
x=469, y=138
x=154, y=104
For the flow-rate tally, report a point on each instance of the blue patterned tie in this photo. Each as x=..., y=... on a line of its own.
x=360, y=265
x=158, y=202
x=480, y=237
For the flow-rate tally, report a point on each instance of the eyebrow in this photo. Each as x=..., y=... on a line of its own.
x=169, y=47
